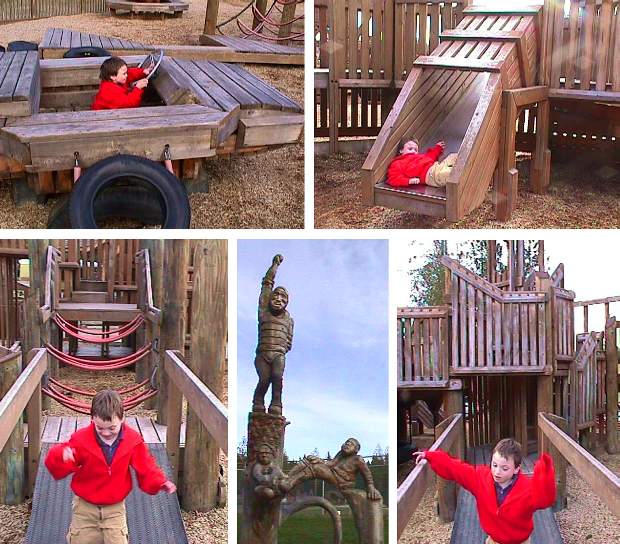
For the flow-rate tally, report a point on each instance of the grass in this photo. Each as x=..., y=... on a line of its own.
x=312, y=526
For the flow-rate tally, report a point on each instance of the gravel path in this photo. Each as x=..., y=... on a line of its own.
x=256, y=191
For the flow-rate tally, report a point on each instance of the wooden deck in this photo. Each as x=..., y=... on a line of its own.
x=59, y=428
x=164, y=7
x=245, y=45
x=93, y=311
x=20, y=90
x=57, y=41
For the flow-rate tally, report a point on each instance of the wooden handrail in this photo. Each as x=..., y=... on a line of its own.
x=557, y=277
x=594, y=301
x=586, y=350
x=151, y=312
x=604, y=483
x=411, y=491
x=17, y=397
x=205, y=404
x=53, y=257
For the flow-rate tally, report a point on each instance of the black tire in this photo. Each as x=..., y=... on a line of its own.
x=2, y=49
x=129, y=187
x=84, y=52
x=22, y=46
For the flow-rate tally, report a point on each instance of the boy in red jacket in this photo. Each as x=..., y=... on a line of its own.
x=413, y=168
x=116, y=91
x=506, y=499
x=99, y=456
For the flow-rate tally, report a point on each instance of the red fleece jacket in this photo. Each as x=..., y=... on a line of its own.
x=512, y=522
x=412, y=165
x=95, y=481
x=113, y=96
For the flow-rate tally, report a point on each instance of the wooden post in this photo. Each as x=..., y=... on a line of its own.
x=611, y=385
x=541, y=255
x=37, y=332
x=208, y=362
x=261, y=7
x=288, y=14
x=213, y=6
x=337, y=51
x=33, y=413
x=559, y=462
x=544, y=400
x=540, y=164
x=507, y=185
x=172, y=322
x=12, y=455
x=447, y=490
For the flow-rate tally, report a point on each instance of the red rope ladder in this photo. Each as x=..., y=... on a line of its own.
x=98, y=337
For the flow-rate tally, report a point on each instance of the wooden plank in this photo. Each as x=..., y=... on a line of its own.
x=67, y=428
x=147, y=430
x=471, y=310
x=458, y=64
x=602, y=43
x=52, y=429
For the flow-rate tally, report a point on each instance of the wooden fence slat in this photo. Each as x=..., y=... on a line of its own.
x=408, y=362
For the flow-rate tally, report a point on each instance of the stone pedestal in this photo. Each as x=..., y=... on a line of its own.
x=368, y=516
x=261, y=518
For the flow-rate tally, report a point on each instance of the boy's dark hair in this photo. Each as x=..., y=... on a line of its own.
x=508, y=448
x=110, y=67
x=406, y=139
x=107, y=404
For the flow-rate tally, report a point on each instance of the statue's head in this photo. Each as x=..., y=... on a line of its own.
x=264, y=454
x=350, y=447
x=278, y=300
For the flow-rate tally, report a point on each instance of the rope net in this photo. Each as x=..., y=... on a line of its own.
x=98, y=337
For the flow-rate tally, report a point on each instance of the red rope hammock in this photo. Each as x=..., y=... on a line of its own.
x=89, y=364
x=90, y=393
x=89, y=335
x=54, y=392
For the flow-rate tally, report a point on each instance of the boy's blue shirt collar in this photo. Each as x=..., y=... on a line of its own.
x=109, y=450
x=502, y=492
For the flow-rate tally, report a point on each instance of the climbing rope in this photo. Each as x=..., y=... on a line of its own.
x=98, y=337
x=90, y=364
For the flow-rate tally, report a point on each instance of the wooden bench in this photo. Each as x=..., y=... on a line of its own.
x=47, y=142
x=163, y=7
x=20, y=91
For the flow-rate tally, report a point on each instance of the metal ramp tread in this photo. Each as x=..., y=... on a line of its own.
x=151, y=519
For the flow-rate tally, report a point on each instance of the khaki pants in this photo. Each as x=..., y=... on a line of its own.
x=491, y=541
x=92, y=524
x=438, y=174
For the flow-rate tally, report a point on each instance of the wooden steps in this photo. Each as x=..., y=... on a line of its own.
x=97, y=311
x=20, y=91
x=93, y=285
x=166, y=7
x=454, y=94
x=89, y=296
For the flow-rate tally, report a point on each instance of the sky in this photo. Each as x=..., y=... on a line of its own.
x=336, y=377
x=591, y=263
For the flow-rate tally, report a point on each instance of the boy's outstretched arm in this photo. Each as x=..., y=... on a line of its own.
x=450, y=468
x=150, y=477
x=543, y=482
x=62, y=460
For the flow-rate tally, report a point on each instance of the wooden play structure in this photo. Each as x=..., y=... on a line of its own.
x=487, y=81
x=101, y=305
x=276, y=30
x=194, y=110
x=175, y=8
x=16, y=10
x=501, y=358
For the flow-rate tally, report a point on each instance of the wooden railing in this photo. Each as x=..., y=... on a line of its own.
x=564, y=324
x=411, y=491
x=52, y=283
x=586, y=304
x=494, y=330
x=417, y=26
x=145, y=291
x=582, y=51
x=15, y=10
x=604, y=483
x=25, y=393
x=17, y=248
x=423, y=346
x=588, y=385
x=209, y=409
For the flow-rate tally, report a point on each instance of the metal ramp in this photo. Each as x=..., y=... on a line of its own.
x=151, y=519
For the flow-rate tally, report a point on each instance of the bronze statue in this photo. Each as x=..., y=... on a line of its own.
x=341, y=471
x=275, y=338
x=269, y=479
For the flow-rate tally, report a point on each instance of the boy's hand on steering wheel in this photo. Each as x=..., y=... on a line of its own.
x=142, y=83
x=149, y=68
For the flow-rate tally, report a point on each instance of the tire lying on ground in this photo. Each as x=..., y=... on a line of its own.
x=129, y=187
x=84, y=52
x=2, y=49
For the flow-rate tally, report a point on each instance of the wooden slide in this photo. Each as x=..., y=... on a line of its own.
x=455, y=95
